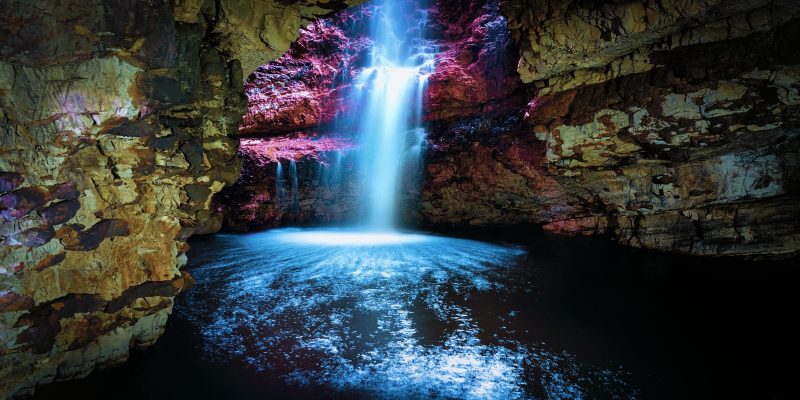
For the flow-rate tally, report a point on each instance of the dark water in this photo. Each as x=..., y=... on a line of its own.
x=327, y=314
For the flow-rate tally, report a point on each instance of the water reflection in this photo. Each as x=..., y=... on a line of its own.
x=395, y=316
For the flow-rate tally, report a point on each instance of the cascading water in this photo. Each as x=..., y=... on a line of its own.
x=295, y=184
x=389, y=102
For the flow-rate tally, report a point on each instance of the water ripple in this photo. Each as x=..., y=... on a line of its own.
x=387, y=316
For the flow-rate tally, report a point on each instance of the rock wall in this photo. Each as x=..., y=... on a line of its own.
x=305, y=88
x=118, y=122
x=668, y=125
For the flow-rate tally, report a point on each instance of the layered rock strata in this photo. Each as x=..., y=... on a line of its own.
x=676, y=129
x=665, y=125
x=118, y=123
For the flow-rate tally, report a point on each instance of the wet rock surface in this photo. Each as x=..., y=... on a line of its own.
x=291, y=181
x=696, y=153
x=118, y=122
x=305, y=87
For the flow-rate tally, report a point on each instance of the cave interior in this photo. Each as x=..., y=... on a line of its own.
x=391, y=199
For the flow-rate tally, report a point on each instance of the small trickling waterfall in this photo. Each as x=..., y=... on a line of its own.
x=280, y=184
x=295, y=185
x=388, y=103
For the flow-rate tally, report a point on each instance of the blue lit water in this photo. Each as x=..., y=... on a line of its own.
x=385, y=315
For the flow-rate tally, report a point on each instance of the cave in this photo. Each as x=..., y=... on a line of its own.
x=392, y=199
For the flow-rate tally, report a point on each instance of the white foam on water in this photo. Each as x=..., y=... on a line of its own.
x=353, y=311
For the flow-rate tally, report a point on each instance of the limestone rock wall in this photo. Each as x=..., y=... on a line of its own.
x=565, y=44
x=670, y=125
x=118, y=122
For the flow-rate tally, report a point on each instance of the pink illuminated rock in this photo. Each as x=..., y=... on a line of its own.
x=304, y=87
x=290, y=148
x=475, y=69
x=281, y=183
x=476, y=62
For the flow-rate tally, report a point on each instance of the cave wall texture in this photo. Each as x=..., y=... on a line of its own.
x=670, y=125
x=118, y=122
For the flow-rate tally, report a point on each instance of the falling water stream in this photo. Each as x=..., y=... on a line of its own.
x=389, y=96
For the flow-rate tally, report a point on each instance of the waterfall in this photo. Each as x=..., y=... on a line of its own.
x=295, y=186
x=281, y=179
x=279, y=182
x=389, y=101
